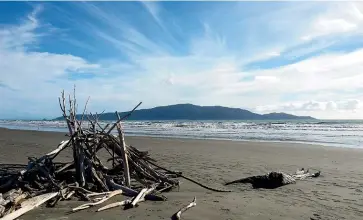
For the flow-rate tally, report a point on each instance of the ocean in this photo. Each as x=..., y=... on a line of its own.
x=336, y=133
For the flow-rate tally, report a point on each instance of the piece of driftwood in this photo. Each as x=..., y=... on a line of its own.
x=30, y=204
x=178, y=214
x=136, y=199
x=104, y=199
x=274, y=179
x=129, y=203
x=2, y=211
x=125, y=162
x=132, y=193
x=303, y=174
x=117, y=204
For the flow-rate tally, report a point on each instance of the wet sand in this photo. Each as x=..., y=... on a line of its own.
x=337, y=194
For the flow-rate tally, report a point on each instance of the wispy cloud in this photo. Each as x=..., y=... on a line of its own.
x=122, y=52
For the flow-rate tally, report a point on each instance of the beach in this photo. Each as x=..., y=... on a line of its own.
x=336, y=194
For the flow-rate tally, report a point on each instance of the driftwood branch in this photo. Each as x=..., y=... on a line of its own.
x=104, y=199
x=178, y=214
x=124, y=117
x=117, y=204
x=125, y=162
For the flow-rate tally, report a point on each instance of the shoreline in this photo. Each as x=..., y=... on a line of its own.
x=334, y=195
x=314, y=144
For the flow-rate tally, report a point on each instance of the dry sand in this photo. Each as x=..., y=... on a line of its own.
x=337, y=194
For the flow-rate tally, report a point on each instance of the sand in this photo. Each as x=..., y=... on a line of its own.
x=337, y=194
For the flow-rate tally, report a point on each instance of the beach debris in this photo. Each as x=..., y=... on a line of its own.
x=178, y=214
x=87, y=177
x=100, y=200
x=103, y=165
x=116, y=204
x=274, y=179
x=29, y=204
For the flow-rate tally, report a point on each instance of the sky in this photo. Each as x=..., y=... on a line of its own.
x=303, y=58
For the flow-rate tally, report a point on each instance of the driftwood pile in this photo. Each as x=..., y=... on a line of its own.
x=133, y=173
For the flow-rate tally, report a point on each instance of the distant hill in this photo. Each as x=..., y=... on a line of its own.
x=195, y=112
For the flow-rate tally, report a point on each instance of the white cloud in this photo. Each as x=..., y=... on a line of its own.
x=26, y=76
x=16, y=37
x=270, y=79
x=347, y=109
x=341, y=18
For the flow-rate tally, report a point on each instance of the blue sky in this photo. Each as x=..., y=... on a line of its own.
x=303, y=58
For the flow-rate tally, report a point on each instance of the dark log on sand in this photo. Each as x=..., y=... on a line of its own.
x=274, y=179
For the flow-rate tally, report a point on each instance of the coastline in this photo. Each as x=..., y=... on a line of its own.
x=175, y=137
x=334, y=195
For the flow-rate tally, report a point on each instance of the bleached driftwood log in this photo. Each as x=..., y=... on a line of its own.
x=117, y=204
x=104, y=199
x=178, y=214
x=125, y=162
x=136, y=199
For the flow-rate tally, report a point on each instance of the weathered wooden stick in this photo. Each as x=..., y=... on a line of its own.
x=2, y=211
x=79, y=163
x=156, y=174
x=124, y=153
x=84, y=111
x=74, y=109
x=130, y=192
x=99, y=194
x=107, y=197
x=98, y=180
x=62, y=105
x=60, y=147
x=126, y=202
x=65, y=167
x=127, y=191
x=70, y=194
x=136, y=199
x=15, y=202
x=168, y=187
x=178, y=214
x=141, y=170
x=116, y=204
x=124, y=117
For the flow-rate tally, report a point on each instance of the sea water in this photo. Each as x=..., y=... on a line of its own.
x=337, y=133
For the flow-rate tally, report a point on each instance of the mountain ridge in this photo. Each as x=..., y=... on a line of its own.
x=195, y=112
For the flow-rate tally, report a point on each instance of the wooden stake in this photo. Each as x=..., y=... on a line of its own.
x=124, y=153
